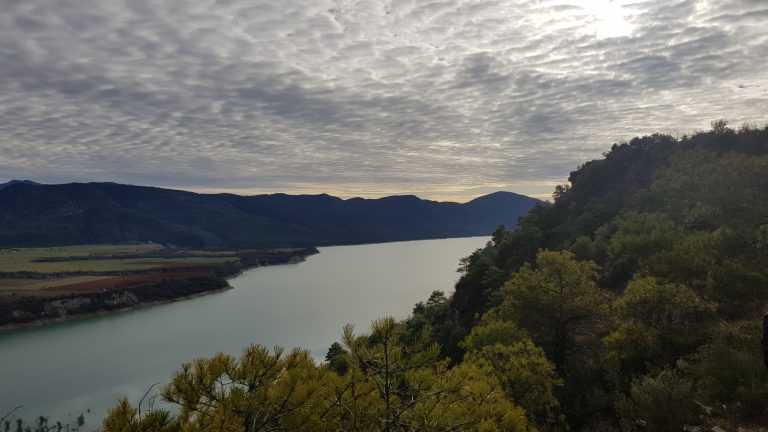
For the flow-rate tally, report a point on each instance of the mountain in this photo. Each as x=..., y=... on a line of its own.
x=13, y=182
x=81, y=213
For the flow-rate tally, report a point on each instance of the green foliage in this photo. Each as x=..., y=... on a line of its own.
x=583, y=249
x=678, y=230
x=526, y=375
x=485, y=277
x=478, y=405
x=637, y=237
x=707, y=189
x=654, y=175
x=659, y=323
x=125, y=418
x=671, y=308
x=640, y=235
x=337, y=358
x=557, y=302
x=434, y=317
x=486, y=270
x=493, y=330
x=730, y=374
x=387, y=386
x=740, y=278
x=633, y=348
x=677, y=315
x=688, y=261
x=665, y=402
x=261, y=389
x=416, y=390
x=557, y=306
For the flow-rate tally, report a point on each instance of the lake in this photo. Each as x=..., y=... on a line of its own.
x=64, y=369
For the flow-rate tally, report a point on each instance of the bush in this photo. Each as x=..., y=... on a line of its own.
x=730, y=374
x=662, y=403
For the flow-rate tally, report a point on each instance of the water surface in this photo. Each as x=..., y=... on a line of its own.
x=62, y=369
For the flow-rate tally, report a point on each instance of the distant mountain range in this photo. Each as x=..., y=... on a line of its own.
x=32, y=214
x=13, y=182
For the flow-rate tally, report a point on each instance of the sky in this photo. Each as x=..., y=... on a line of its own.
x=445, y=99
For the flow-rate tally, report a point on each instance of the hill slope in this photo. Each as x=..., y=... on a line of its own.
x=644, y=284
x=80, y=213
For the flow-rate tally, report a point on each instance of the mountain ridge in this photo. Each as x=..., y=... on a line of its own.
x=13, y=182
x=78, y=213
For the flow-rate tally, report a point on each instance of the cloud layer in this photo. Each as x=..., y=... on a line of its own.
x=444, y=98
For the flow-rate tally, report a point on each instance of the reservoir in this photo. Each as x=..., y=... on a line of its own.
x=63, y=370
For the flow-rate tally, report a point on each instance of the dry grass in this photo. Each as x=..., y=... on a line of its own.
x=94, y=268
x=107, y=259
x=112, y=265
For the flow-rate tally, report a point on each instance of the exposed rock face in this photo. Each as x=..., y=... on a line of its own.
x=61, y=308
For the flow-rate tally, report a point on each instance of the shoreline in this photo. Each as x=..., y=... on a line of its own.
x=368, y=243
x=49, y=321
x=134, y=293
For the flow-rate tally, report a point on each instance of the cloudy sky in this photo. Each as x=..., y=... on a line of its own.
x=447, y=99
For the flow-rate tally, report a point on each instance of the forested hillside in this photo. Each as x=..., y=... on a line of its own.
x=632, y=303
x=643, y=283
x=96, y=213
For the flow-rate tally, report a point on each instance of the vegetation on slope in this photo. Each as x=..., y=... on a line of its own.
x=384, y=385
x=643, y=283
x=632, y=302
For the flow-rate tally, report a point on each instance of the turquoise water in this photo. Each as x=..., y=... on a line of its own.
x=64, y=369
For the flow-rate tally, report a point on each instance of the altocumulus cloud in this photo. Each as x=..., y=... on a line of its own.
x=445, y=98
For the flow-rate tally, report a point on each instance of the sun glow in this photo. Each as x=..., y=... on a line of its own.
x=609, y=16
